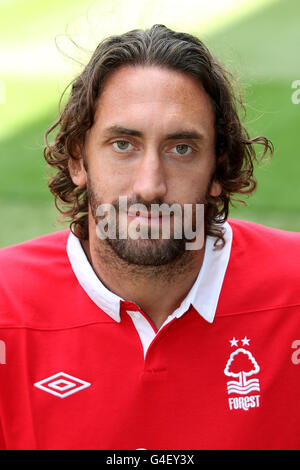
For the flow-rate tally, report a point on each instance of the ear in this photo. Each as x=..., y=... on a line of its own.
x=77, y=171
x=215, y=188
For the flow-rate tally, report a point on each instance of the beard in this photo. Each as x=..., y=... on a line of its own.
x=145, y=251
x=148, y=252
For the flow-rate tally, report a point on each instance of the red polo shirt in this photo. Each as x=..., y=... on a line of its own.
x=81, y=368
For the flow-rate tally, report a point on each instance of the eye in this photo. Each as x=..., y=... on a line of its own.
x=122, y=145
x=183, y=149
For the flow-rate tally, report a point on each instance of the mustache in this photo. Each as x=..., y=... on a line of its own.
x=148, y=205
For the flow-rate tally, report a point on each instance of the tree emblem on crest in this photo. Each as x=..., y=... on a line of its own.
x=241, y=364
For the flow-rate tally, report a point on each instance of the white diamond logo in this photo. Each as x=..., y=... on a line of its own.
x=62, y=385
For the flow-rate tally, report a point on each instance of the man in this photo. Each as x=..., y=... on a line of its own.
x=126, y=342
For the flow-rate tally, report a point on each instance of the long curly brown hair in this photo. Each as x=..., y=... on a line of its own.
x=160, y=46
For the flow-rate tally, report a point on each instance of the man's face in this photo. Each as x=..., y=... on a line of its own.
x=152, y=140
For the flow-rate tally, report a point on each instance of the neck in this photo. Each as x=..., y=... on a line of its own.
x=157, y=290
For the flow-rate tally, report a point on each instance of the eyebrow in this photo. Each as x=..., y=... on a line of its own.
x=180, y=134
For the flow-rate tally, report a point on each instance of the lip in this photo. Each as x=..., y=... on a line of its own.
x=146, y=218
x=148, y=215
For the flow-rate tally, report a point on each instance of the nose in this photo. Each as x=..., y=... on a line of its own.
x=149, y=179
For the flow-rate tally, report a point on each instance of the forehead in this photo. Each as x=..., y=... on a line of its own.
x=143, y=94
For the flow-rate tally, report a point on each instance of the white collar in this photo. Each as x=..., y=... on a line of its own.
x=204, y=294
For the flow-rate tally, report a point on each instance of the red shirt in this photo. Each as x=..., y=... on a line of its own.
x=74, y=375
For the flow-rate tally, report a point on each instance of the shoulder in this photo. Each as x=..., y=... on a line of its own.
x=265, y=244
x=261, y=234
x=37, y=252
x=39, y=289
x=29, y=272
x=263, y=269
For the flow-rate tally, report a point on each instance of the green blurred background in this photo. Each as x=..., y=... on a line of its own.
x=259, y=41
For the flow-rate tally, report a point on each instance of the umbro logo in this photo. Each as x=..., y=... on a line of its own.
x=62, y=385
